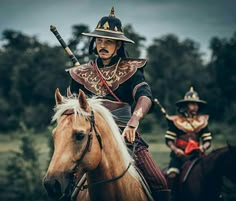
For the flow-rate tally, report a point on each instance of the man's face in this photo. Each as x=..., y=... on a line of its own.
x=192, y=108
x=107, y=48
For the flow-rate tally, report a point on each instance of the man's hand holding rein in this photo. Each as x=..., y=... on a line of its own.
x=142, y=107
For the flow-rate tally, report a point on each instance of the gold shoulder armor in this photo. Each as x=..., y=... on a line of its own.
x=187, y=125
x=114, y=75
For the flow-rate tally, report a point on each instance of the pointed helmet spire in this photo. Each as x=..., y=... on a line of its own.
x=112, y=13
x=191, y=89
x=191, y=97
x=109, y=27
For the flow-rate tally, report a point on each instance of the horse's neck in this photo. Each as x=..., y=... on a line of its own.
x=112, y=163
x=215, y=160
x=111, y=166
x=213, y=168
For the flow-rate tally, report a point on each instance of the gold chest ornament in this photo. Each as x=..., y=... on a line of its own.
x=114, y=75
x=192, y=125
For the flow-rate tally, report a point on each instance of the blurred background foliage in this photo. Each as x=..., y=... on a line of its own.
x=30, y=71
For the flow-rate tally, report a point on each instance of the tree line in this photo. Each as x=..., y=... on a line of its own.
x=30, y=71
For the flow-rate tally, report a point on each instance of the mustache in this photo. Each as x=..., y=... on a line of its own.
x=101, y=50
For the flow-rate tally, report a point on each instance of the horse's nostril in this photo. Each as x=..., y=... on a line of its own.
x=52, y=187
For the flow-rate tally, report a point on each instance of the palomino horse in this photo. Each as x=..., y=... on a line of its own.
x=204, y=181
x=87, y=140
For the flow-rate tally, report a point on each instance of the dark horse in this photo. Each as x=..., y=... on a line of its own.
x=204, y=181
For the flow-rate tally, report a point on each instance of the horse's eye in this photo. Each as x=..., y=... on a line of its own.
x=79, y=136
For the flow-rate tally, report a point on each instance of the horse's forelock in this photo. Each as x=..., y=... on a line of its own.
x=69, y=104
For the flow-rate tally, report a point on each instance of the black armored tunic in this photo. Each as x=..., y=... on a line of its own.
x=123, y=76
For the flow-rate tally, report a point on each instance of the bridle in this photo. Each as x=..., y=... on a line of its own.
x=90, y=137
x=88, y=149
x=90, y=134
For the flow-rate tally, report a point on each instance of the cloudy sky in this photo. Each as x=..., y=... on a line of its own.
x=198, y=20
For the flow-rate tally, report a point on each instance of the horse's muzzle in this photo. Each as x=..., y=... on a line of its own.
x=55, y=189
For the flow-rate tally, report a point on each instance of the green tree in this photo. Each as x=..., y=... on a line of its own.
x=79, y=43
x=11, y=57
x=173, y=66
x=29, y=80
x=222, y=69
x=24, y=174
x=134, y=50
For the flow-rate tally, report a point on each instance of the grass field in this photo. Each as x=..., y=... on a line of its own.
x=10, y=143
x=157, y=147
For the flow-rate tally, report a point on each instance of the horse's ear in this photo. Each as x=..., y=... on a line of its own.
x=58, y=97
x=83, y=101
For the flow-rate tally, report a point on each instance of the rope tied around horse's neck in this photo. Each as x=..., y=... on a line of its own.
x=106, y=181
x=113, y=179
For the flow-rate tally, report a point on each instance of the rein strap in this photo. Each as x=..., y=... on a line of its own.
x=106, y=181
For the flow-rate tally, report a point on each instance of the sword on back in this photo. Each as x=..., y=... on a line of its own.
x=163, y=111
x=75, y=61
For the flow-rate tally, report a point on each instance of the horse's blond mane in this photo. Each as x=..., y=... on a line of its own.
x=96, y=105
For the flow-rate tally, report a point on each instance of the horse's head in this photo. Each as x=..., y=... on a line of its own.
x=73, y=138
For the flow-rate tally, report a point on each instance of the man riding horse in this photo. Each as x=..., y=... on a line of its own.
x=186, y=131
x=115, y=77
